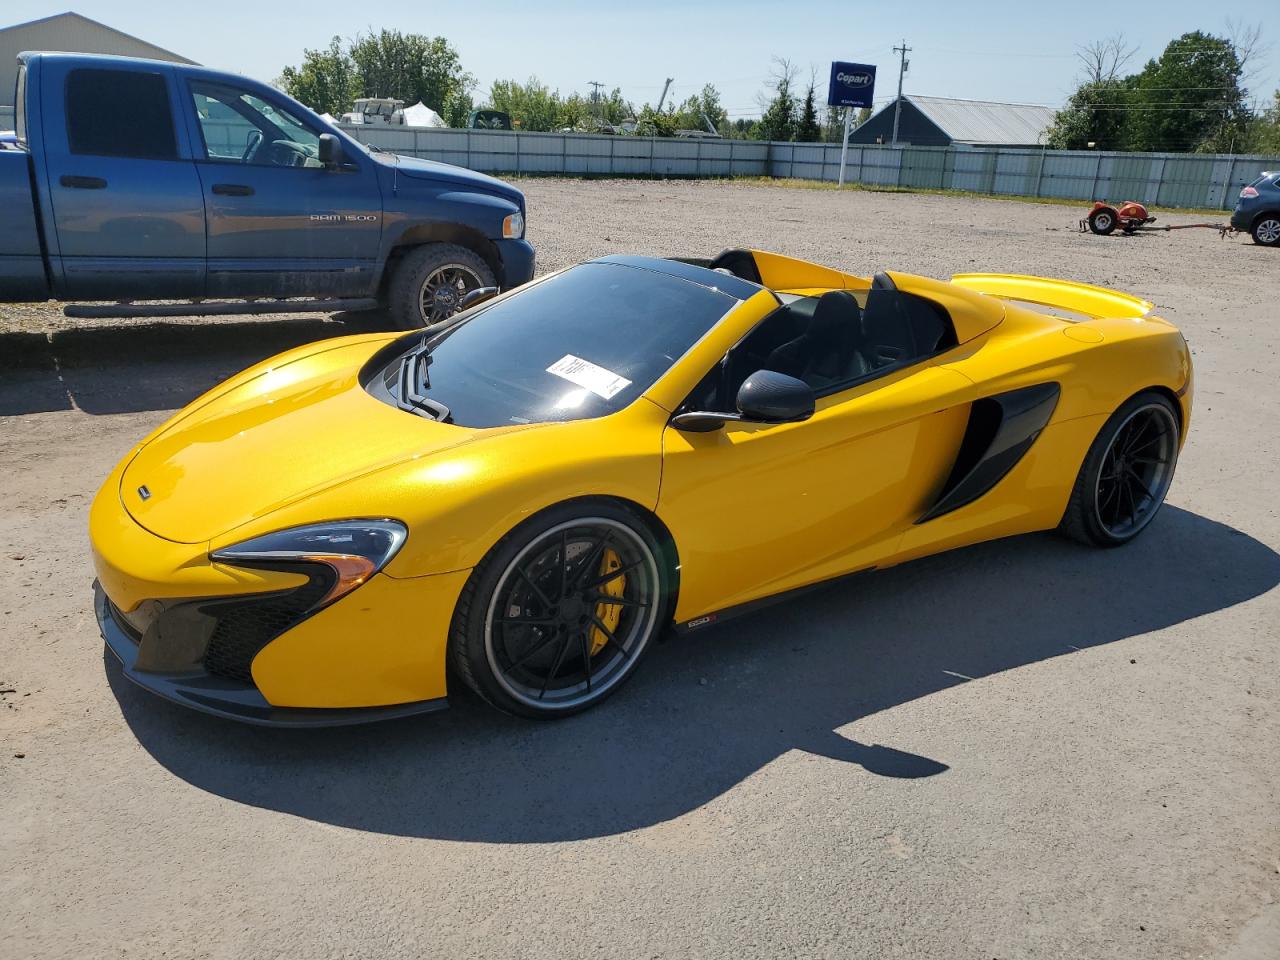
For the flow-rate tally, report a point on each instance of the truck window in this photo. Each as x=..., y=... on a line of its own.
x=120, y=113
x=239, y=127
x=20, y=105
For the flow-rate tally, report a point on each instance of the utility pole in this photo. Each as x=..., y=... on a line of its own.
x=665, y=87
x=903, y=63
x=595, y=86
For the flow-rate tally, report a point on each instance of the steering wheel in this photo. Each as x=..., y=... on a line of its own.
x=286, y=153
x=251, y=144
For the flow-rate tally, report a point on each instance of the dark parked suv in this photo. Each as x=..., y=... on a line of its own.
x=1258, y=210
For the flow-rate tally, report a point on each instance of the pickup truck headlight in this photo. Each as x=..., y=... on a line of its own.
x=353, y=549
x=513, y=226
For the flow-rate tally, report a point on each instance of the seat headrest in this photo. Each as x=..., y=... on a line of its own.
x=837, y=312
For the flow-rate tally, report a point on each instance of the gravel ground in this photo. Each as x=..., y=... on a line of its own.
x=1020, y=750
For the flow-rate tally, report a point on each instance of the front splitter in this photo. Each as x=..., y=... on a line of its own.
x=230, y=699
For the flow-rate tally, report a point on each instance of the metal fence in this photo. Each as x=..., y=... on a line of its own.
x=1162, y=179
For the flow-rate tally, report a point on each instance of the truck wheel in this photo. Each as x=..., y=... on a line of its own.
x=430, y=281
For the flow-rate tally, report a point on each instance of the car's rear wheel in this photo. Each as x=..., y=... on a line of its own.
x=1126, y=474
x=559, y=613
x=1267, y=231
x=430, y=281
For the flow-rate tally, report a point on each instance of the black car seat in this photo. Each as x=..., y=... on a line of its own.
x=886, y=333
x=828, y=351
x=900, y=327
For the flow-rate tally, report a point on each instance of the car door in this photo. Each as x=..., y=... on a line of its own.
x=127, y=211
x=280, y=223
x=760, y=509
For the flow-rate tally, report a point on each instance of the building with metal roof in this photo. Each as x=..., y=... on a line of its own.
x=67, y=33
x=942, y=122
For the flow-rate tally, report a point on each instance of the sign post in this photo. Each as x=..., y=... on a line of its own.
x=844, y=147
x=852, y=85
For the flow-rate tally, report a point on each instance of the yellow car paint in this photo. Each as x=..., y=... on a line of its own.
x=807, y=500
x=751, y=510
x=1065, y=294
x=384, y=643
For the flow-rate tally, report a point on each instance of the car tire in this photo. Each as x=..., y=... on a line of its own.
x=1266, y=230
x=428, y=283
x=1102, y=222
x=1126, y=473
x=526, y=633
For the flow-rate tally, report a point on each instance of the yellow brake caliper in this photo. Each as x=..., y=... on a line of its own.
x=609, y=613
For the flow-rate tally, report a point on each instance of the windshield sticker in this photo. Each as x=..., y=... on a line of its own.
x=603, y=383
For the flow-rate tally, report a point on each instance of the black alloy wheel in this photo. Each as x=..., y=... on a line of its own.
x=1126, y=474
x=559, y=615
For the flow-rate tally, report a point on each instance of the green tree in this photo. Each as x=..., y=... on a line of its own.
x=1191, y=97
x=779, y=119
x=412, y=68
x=408, y=67
x=1264, y=133
x=1096, y=116
x=325, y=81
x=655, y=123
x=532, y=105
x=694, y=113
x=807, y=128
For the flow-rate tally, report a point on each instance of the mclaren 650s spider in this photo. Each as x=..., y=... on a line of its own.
x=521, y=499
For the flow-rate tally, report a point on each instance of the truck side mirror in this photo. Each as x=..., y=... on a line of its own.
x=329, y=151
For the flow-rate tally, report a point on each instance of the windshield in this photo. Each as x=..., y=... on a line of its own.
x=584, y=343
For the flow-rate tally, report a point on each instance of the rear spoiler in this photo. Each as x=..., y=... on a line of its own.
x=1080, y=298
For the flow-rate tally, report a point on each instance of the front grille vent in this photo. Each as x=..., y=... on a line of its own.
x=245, y=626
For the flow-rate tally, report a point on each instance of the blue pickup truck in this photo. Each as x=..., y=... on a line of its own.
x=133, y=180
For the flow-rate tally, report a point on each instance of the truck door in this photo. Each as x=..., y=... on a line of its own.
x=280, y=223
x=127, y=211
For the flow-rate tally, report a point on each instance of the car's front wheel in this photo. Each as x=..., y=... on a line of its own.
x=1267, y=230
x=1126, y=473
x=561, y=610
x=430, y=281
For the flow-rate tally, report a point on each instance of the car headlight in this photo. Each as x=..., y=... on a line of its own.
x=513, y=226
x=354, y=550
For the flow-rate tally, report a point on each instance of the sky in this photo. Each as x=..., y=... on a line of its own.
x=1012, y=51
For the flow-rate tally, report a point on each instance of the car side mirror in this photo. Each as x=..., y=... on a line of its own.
x=478, y=295
x=329, y=151
x=764, y=397
x=771, y=397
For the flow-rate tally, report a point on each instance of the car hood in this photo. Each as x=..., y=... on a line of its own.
x=419, y=169
x=273, y=436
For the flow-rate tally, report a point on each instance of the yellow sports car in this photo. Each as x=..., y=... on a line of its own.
x=522, y=499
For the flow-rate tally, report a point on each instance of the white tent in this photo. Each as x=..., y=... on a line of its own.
x=420, y=115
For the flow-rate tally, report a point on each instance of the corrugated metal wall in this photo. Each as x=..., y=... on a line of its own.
x=1164, y=179
x=70, y=33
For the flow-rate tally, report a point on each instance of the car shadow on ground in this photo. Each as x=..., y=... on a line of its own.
x=153, y=366
x=706, y=711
